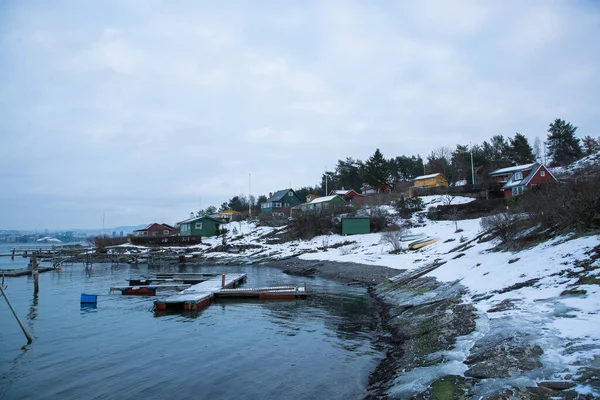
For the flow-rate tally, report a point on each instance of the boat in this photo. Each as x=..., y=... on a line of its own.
x=409, y=238
x=421, y=243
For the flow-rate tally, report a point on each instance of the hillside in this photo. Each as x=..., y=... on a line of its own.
x=544, y=299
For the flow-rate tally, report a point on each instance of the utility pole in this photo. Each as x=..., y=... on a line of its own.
x=249, y=195
x=472, y=170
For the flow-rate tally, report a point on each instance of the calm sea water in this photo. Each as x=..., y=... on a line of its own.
x=318, y=348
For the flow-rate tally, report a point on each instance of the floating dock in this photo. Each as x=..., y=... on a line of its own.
x=199, y=295
x=202, y=294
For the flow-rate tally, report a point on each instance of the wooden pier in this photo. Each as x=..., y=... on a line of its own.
x=202, y=294
x=21, y=272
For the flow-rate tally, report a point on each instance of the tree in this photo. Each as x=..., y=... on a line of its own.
x=440, y=160
x=224, y=207
x=521, y=152
x=404, y=168
x=376, y=171
x=348, y=174
x=261, y=199
x=207, y=211
x=563, y=146
x=461, y=163
x=238, y=203
x=590, y=145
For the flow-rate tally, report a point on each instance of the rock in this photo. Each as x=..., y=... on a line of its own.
x=499, y=357
x=448, y=387
x=504, y=305
x=557, y=385
x=574, y=292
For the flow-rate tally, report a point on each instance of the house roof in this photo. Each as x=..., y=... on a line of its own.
x=418, y=178
x=323, y=199
x=152, y=224
x=229, y=212
x=509, y=170
x=199, y=218
x=511, y=183
x=345, y=192
x=278, y=195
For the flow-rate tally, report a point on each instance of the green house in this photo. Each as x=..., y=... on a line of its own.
x=356, y=225
x=204, y=226
x=280, y=203
x=322, y=203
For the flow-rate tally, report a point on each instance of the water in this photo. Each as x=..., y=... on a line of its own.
x=318, y=348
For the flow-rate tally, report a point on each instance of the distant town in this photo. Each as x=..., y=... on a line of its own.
x=70, y=236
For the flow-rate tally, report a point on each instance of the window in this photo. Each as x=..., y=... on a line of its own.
x=440, y=179
x=278, y=214
x=165, y=232
x=518, y=176
x=517, y=190
x=542, y=173
x=198, y=225
x=276, y=205
x=185, y=227
x=265, y=205
x=291, y=193
x=286, y=204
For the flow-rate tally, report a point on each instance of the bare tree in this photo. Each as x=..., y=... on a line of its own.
x=394, y=238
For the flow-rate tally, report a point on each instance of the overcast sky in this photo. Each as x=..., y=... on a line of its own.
x=147, y=110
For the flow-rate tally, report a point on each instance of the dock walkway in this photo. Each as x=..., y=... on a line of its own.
x=200, y=294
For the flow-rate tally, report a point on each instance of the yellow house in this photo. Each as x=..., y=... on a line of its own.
x=229, y=215
x=428, y=181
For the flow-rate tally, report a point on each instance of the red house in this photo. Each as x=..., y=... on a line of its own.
x=347, y=195
x=155, y=229
x=517, y=179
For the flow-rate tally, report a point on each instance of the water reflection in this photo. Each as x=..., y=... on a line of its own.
x=32, y=314
x=88, y=308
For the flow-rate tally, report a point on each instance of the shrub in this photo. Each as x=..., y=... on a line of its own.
x=307, y=225
x=503, y=225
x=380, y=218
x=393, y=238
x=574, y=204
x=406, y=206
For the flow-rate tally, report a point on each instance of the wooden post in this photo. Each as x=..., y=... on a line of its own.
x=222, y=280
x=27, y=335
x=35, y=275
x=12, y=257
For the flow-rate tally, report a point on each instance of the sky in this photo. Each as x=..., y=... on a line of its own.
x=144, y=111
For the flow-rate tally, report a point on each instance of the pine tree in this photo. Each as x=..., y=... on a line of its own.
x=376, y=171
x=563, y=146
x=521, y=152
x=590, y=145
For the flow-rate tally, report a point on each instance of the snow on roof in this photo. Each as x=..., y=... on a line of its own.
x=426, y=176
x=512, y=182
x=341, y=192
x=323, y=199
x=278, y=195
x=516, y=168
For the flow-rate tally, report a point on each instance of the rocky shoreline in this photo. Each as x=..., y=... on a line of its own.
x=435, y=348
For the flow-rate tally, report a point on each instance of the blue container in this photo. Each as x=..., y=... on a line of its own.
x=89, y=298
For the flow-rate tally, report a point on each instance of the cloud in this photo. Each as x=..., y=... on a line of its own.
x=150, y=108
